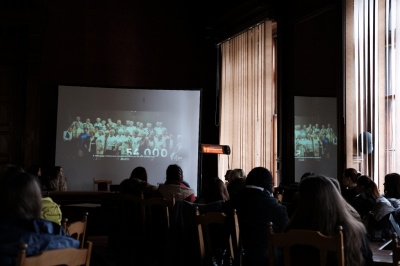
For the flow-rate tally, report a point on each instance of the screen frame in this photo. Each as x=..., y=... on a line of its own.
x=195, y=92
x=320, y=110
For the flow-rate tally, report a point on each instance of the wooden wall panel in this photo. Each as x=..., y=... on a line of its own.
x=6, y=119
x=4, y=147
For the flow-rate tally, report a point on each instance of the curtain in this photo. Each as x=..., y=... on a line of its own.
x=247, y=102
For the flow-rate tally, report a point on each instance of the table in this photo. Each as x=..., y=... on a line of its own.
x=382, y=256
x=74, y=212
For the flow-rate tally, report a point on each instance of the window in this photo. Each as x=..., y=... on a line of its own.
x=371, y=86
x=392, y=109
x=248, y=100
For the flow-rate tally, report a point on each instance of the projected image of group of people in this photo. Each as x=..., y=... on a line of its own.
x=109, y=139
x=314, y=141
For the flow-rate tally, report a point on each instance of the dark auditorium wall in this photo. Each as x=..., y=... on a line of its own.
x=144, y=44
x=311, y=64
x=151, y=44
x=129, y=44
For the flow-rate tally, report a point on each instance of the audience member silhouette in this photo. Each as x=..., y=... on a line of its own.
x=256, y=207
x=137, y=184
x=175, y=185
x=392, y=186
x=237, y=181
x=36, y=171
x=390, y=201
x=365, y=201
x=227, y=178
x=20, y=220
x=349, y=183
x=384, y=206
x=322, y=208
x=11, y=169
x=306, y=174
x=57, y=181
x=214, y=190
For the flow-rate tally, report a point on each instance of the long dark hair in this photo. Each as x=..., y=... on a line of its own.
x=174, y=173
x=392, y=185
x=322, y=208
x=214, y=190
x=55, y=172
x=352, y=174
x=369, y=186
x=139, y=173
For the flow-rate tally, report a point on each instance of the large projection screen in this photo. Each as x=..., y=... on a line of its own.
x=157, y=127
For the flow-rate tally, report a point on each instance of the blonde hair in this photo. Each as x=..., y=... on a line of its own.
x=236, y=173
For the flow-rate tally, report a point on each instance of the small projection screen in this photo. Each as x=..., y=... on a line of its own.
x=315, y=136
x=104, y=133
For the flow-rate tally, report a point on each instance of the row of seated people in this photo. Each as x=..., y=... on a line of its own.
x=321, y=207
x=20, y=218
x=23, y=219
x=374, y=208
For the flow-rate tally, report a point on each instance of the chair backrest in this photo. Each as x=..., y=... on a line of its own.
x=205, y=222
x=395, y=249
x=101, y=185
x=64, y=256
x=308, y=238
x=131, y=215
x=236, y=247
x=125, y=231
x=76, y=229
x=156, y=216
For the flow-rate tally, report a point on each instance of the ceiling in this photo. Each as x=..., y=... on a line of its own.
x=220, y=19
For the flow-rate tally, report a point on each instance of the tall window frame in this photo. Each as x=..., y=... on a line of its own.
x=248, y=100
x=371, y=86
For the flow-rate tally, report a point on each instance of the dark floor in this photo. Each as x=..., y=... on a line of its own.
x=127, y=255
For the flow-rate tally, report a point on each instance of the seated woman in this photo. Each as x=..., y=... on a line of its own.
x=137, y=184
x=365, y=201
x=175, y=185
x=36, y=171
x=20, y=220
x=57, y=181
x=214, y=190
x=322, y=208
x=349, y=183
x=379, y=225
x=237, y=182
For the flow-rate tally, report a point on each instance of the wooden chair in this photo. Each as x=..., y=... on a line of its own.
x=156, y=225
x=132, y=213
x=76, y=229
x=126, y=235
x=64, y=256
x=206, y=245
x=309, y=238
x=101, y=185
x=162, y=205
x=129, y=217
x=395, y=249
x=236, y=247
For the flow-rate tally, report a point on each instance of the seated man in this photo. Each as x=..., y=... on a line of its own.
x=256, y=207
